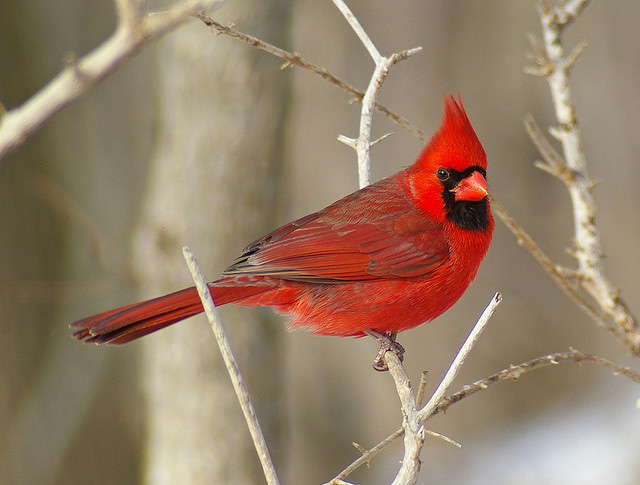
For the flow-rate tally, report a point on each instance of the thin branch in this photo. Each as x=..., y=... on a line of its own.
x=568, y=12
x=360, y=32
x=239, y=384
x=566, y=280
x=553, y=162
x=413, y=419
x=414, y=431
x=132, y=34
x=366, y=457
x=295, y=59
x=456, y=365
x=524, y=239
x=363, y=143
x=513, y=373
x=383, y=64
x=424, y=379
x=571, y=168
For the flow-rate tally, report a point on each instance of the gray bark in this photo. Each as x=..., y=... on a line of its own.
x=213, y=187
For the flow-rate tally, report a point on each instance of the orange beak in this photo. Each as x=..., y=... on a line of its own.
x=472, y=188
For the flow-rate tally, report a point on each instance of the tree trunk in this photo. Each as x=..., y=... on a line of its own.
x=213, y=186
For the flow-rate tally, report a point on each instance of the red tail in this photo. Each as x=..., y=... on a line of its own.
x=128, y=323
x=131, y=322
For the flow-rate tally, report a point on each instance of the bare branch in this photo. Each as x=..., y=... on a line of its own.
x=571, y=168
x=295, y=59
x=424, y=379
x=360, y=32
x=514, y=372
x=413, y=419
x=129, y=12
x=365, y=458
x=132, y=34
x=524, y=239
x=455, y=367
x=574, y=54
x=350, y=142
x=554, y=164
x=567, y=280
x=568, y=12
x=363, y=143
x=237, y=380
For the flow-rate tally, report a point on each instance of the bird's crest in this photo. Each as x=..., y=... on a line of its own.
x=455, y=145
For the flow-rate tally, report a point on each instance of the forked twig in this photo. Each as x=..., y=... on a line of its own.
x=295, y=59
x=512, y=373
x=413, y=418
x=363, y=143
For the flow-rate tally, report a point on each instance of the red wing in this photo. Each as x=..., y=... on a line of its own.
x=377, y=237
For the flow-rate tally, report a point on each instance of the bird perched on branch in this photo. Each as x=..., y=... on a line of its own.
x=381, y=260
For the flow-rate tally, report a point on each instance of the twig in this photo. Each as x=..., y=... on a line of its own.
x=424, y=379
x=363, y=143
x=295, y=59
x=553, y=162
x=562, y=277
x=571, y=169
x=360, y=32
x=133, y=32
x=455, y=367
x=366, y=457
x=239, y=384
x=524, y=239
x=414, y=419
x=514, y=372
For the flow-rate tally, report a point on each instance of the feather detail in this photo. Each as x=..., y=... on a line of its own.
x=331, y=247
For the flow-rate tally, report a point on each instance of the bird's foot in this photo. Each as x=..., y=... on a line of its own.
x=387, y=343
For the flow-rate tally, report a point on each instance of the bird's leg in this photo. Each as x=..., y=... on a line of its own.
x=387, y=343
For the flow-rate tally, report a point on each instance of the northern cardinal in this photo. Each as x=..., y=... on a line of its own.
x=386, y=258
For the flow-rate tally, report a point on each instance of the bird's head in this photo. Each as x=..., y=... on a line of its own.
x=448, y=180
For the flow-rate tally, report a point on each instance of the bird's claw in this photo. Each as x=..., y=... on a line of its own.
x=387, y=343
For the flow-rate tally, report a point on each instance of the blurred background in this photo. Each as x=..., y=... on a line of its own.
x=203, y=141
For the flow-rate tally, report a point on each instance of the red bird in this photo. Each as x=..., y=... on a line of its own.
x=386, y=258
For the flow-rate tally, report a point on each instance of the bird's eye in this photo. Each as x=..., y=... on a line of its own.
x=442, y=174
